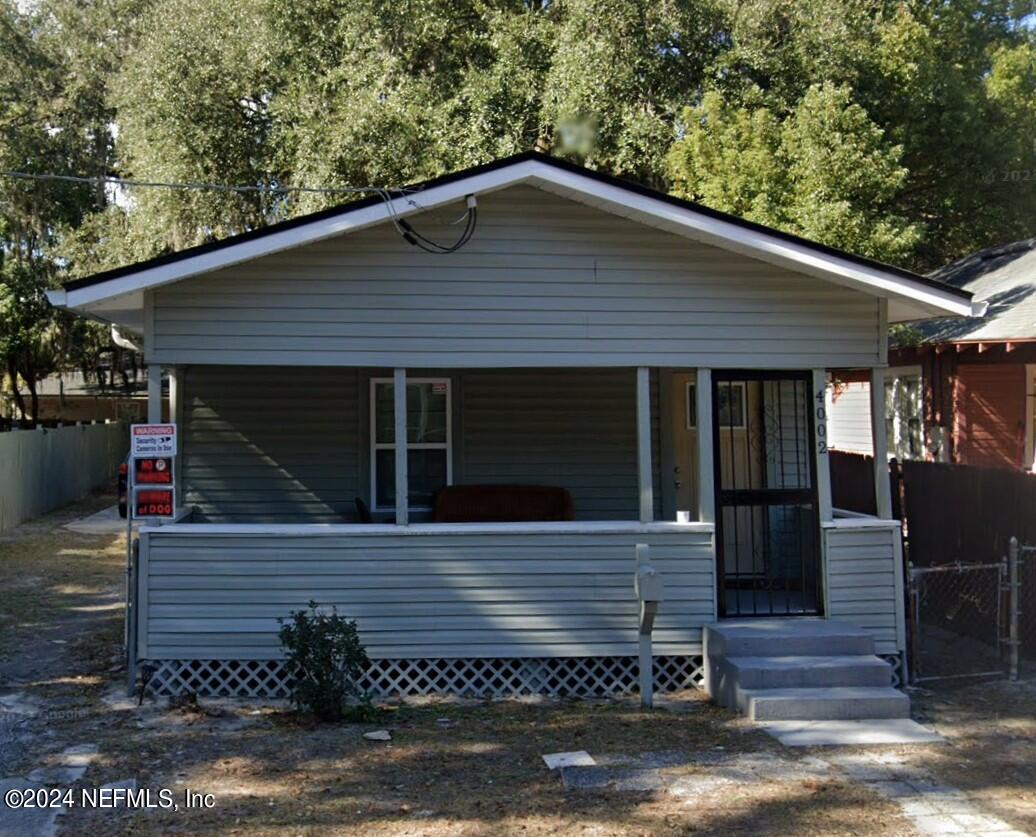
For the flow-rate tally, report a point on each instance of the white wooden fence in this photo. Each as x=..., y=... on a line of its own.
x=46, y=468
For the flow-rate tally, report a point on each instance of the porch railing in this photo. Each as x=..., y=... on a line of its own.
x=215, y=591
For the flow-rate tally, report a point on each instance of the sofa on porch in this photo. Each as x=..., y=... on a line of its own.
x=502, y=504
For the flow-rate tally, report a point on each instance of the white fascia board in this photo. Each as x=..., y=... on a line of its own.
x=349, y=221
x=757, y=244
x=56, y=297
x=608, y=197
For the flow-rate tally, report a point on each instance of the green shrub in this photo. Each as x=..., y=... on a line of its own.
x=325, y=653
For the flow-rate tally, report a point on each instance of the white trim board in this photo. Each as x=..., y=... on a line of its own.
x=591, y=527
x=910, y=299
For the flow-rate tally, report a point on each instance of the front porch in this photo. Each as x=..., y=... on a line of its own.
x=270, y=470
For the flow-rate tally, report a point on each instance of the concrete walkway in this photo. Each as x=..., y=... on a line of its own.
x=104, y=522
x=933, y=808
x=34, y=821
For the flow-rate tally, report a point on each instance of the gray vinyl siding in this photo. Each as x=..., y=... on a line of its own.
x=544, y=282
x=271, y=444
x=575, y=428
x=849, y=418
x=863, y=584
x=211, y=596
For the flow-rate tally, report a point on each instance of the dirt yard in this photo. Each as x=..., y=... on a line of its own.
x=452, y=767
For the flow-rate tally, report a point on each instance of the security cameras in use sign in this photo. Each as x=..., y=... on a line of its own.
x=153, y=460
x=153, y=440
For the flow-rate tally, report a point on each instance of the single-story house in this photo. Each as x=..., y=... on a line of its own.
x=454, y=411
x=959, y=389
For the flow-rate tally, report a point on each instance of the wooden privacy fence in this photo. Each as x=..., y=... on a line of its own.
x=852, y=483
x=958, y=521
x=46, y=468
x=964, y=513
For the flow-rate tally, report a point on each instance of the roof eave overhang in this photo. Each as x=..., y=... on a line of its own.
x=917, y=299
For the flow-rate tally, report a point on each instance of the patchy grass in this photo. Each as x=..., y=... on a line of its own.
x=991, y=729
x=51, y=578
x=479, y=773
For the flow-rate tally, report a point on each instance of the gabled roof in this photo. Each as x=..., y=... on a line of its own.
x=117, y=294
x=1004, y=278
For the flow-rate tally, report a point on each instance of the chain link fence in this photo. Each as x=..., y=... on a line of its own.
x=958, y=620
x=1025, y=595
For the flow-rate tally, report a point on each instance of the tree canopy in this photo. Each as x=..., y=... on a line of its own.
x=898, y=129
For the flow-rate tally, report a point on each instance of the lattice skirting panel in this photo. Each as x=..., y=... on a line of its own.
x=898, y=675
x=505, y=677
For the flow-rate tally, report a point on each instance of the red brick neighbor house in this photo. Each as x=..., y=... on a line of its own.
x=959, y=389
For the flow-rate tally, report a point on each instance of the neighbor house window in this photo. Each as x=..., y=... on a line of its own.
x=729, y=406
x=427, y=442
x=903, y=408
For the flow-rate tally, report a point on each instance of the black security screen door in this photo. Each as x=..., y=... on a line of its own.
x=768, y=526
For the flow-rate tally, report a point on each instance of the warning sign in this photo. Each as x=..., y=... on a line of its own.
x=152, y=457
x=153, y=503
x=151, y=471
x=153, y=440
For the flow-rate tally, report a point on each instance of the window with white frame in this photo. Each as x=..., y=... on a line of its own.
x=903, y=413
x=428, y=441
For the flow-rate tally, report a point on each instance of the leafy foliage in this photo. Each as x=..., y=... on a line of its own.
x=824, y=171
x=54, y=118
x=325, y=651
x=887, y=127
x=900, y=129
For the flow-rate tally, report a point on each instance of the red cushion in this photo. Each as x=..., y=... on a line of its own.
x=502, y=504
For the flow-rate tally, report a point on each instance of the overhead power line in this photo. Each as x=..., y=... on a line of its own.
x=214, y=187
x=386, y=193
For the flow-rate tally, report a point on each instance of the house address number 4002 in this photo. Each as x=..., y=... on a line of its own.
x=821, y=421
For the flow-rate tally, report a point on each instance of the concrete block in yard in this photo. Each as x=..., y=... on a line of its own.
x=122, y=784
x=623, y=779
x=577, y=758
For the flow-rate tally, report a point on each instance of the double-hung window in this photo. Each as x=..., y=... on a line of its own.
x=428, y=442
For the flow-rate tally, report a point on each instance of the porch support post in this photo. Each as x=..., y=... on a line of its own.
x=174, y=393
x=176, y=417
x=706, y=474
x=644, y=477
x=819, y=407
x=402, y=477
x=154, y=393
x=879, y=440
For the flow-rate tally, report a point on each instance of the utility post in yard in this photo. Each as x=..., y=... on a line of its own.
x=1014, y=588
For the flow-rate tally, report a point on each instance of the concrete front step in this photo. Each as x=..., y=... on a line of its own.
x=799, y=670
x=785, y=637
x=823, y=704
x=804, y=671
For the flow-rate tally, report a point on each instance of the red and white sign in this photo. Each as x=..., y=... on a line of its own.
x=150, y=471
x=153, y=503
x=153, y=440
x=152, y=458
